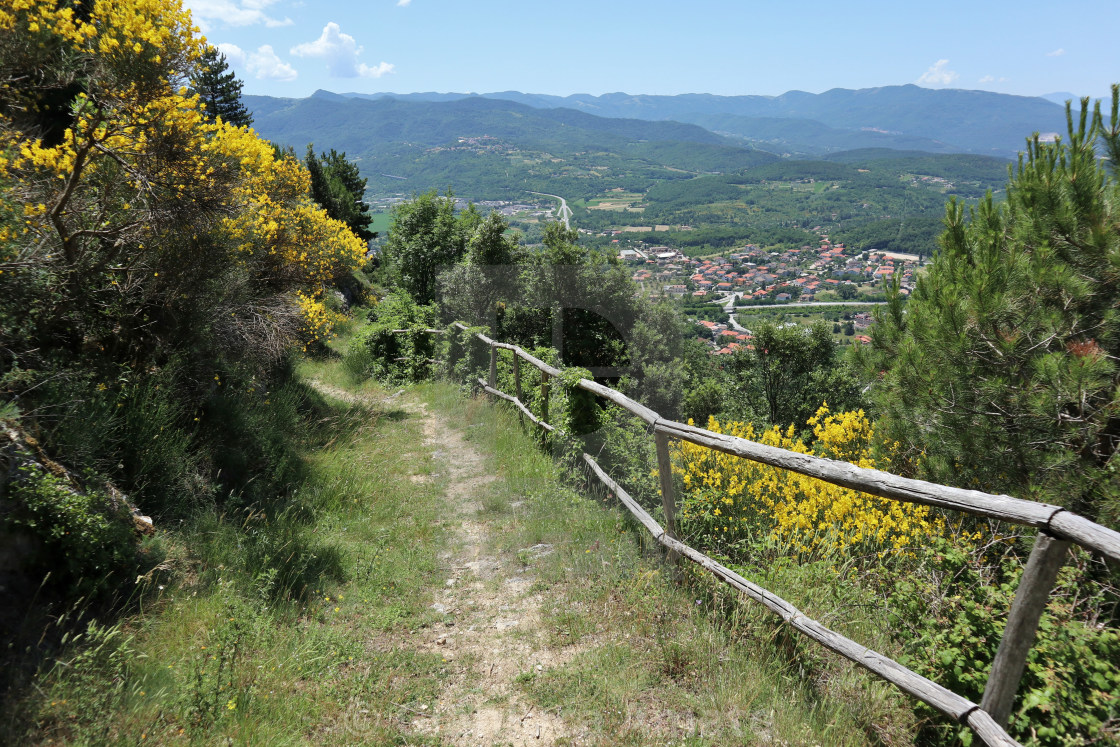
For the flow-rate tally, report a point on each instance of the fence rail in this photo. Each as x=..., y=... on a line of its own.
x=1057, y=529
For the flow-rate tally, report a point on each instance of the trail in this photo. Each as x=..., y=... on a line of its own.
x=491, y=618
x=490, y=632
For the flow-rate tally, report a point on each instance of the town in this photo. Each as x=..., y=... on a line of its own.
x=752, y=277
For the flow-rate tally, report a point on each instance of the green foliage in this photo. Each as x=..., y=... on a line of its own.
x=790, y=372
x=952, y=608
x=580, y=413
x=467, y=358
x=1002, y=369
x=426, y=237
x=94, y=680
x=375, y=350
x=84, y=538
x=219, y=90
x=337, y=187
x=477, y=290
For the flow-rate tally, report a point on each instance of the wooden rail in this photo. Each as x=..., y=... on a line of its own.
x=1057, y=529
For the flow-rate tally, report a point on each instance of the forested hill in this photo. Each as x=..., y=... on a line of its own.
x=496, y=149
x=672, y=174
x=354, y=124
x=908, y=116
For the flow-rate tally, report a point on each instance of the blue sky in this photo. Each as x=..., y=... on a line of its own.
x=293, y=47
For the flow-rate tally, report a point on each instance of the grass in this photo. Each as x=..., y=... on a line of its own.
x=380, y=222
x=284, y=629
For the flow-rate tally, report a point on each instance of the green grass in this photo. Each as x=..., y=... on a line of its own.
x=284, y=629
x=381, y=222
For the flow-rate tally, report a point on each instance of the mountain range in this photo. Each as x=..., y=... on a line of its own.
x=798, y=123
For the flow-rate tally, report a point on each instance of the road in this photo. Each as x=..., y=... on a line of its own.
x=564, y=213
x=811, y=304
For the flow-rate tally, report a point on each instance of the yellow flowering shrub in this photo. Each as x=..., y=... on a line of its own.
x=317, y=321
x=133, y=185
x=731, y=499
x=278, y=231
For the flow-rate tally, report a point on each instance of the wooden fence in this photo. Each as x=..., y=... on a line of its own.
x=1057, y=529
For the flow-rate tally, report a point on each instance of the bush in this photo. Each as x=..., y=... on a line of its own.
x=950, y=613
x=82, y=537
x=728, y=500
x=394, y=358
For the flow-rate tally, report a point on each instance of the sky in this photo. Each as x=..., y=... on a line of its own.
x=291, y=48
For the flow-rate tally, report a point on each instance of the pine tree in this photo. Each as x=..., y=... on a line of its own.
x=220, y=90
x=336, y=185
x=1001, y=373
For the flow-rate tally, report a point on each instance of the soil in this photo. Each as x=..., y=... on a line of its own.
x=491, y=632
x=492, y=618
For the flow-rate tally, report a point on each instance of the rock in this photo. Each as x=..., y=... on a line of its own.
x=143, y=524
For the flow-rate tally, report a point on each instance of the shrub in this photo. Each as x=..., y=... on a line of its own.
x=727, y=500
x=394, y=358
x=950, y=612
x=84, y=538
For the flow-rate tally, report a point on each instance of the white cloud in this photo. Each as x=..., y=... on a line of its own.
x=341, y=53
x=938, y=74
x=992, y=79
x=375, y=72
x=403, y=3
x=208, y=13
x=264, y=64
x=1056, y=53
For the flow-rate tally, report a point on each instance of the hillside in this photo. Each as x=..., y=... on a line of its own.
x=624, y=174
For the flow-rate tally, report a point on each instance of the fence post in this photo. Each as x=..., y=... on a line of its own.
x=493, y=367
x=668, y=501
x=1022, y=623
x=517, y=376
x=517, y=383
x=544, y=397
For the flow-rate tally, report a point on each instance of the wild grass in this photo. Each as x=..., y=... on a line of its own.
x=298, y=622
x=282, y=624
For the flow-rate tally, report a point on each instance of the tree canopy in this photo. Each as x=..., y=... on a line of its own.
x=1002, y=371
x=337, y=187
x=426, y=236
x=219, y=90
x=137, y=237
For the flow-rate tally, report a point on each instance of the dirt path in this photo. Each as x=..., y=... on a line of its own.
x=491, y=630
x=491, y=618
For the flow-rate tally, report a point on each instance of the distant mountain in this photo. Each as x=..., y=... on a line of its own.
x=907, y=117
x=684, y=183
x=354, y=124
x=1060, y=98
x=491, y=147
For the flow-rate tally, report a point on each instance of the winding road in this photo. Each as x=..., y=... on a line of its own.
x=564, y=214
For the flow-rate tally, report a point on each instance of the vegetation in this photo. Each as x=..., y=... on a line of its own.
x=1001, y=371
x=722, y=192
x=732, y=501
x=221, y=530
x=158, y=268
x=219, y=90
x=336, y=186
